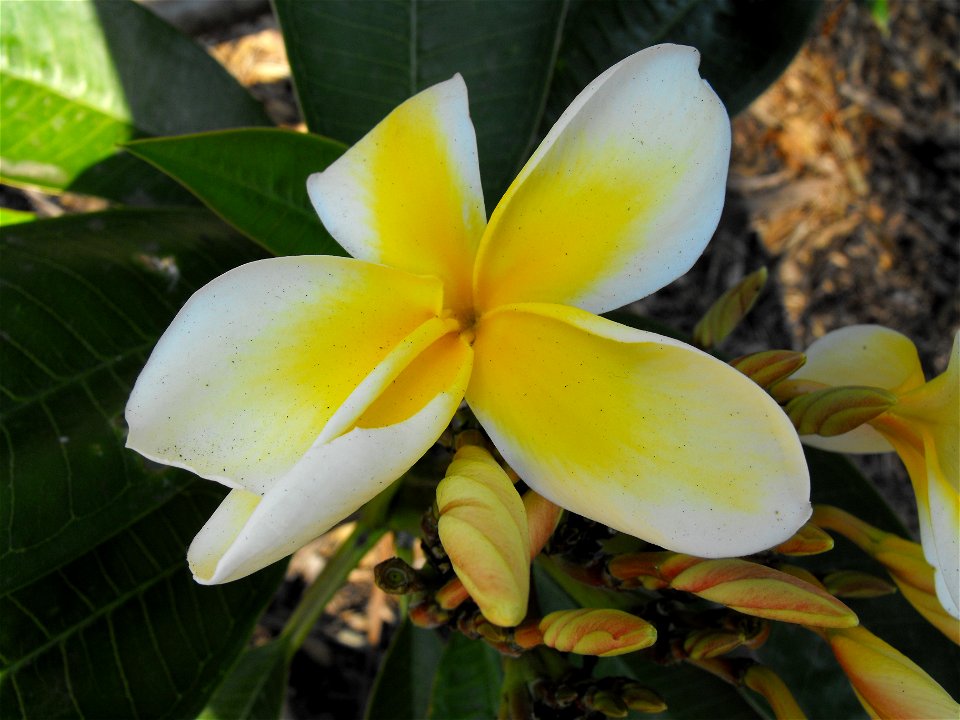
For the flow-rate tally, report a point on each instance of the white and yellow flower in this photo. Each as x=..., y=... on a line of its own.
x=309, y=384
x=922, y=426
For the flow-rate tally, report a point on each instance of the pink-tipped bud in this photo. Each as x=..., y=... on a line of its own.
x=769, y=367
x=764, y=592
x=596, y=631
x=729, y=309
x=837, y=410
x=887, y=683
x=808, y=540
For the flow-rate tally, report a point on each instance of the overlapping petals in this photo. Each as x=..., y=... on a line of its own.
x=308, y=384
x=923, y=427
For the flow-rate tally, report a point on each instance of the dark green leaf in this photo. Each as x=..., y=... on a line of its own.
x=744, y=44
x=255, y=179
x=75, y=82
x=83, y=299
x=353, y=62
x=124, y=631
x=255, y=687
x=402, y=688
x=466, y=685
x=818, y=682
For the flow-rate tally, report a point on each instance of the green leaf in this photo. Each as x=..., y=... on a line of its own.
x=467, y=682
x=83, y=299
x=124, y=631
x=402, y=688
x=255, y=687
x=75, y=83
x=744, y=46
x=353, y=62
x=255, y=179
x=818, y=683
x=8, y=216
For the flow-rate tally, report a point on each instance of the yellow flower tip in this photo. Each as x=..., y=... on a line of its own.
x=887, y=683
x=808, y=540
x=596, y=631
x=765, y=681
x=929, y=606
x=764, y=592
x=856, y=584
x=838, y=410
x=483, y=528
x=729, y=309
x=769, y=367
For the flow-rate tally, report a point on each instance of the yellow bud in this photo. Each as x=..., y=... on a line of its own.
x=808, y=540
x=769, y=367
x=729, y=309
x=596, y=631
x=837, y=410
x=766, y=682
x=888, y=683
x=483, y=528
x=764, y=592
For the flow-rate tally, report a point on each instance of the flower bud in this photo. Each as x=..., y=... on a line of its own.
x=808, y=540
x=903, y=559
x=887, y=683
x=729, y=309
x=764, y=592
x=483, y=528
x=596, y=631
x=837, y=410
x=856, y=584
x=766, y=682
x=641, y=699
x=606, y=702
x=769, y=367
x=707, y=643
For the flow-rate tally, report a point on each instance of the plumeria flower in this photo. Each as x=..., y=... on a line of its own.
x=309, y=384
x=923, y=427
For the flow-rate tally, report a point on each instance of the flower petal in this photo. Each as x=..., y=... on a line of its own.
x=862, y=355
x=333, y=479
x=256, y=363
x=638, y=431
x=408, y=193
x=622, y=195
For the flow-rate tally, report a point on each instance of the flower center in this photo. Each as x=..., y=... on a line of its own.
x=466, y=323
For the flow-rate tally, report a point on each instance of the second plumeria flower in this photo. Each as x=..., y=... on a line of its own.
x=309, y=384
x=922, y=425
